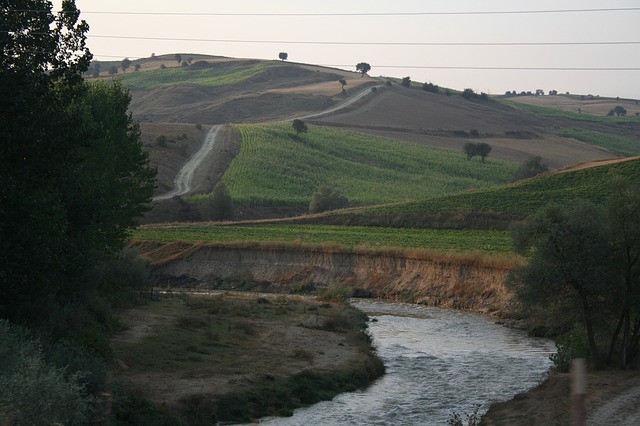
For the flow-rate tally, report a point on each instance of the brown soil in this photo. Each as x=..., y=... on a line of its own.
x=595, y=106
x=550, y=403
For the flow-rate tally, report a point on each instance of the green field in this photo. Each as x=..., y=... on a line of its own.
x=616, y=144
x=346, y=237
x=525, y=197
x=274, y=167
x=570, y=115
x=210, y=76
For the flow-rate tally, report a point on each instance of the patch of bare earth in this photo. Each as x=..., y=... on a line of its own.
x=588, y=105
x=613, y=398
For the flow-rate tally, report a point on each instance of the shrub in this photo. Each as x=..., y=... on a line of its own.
x=220, y=205
x=430, y=87
x=406, y=81
x=326, y=198
x=530, y=168
x=575, y=345
x=161, y=140
x=33, y=392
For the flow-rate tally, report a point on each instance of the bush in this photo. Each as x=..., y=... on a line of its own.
x=406, y=81
x=326, y=198
x=430, y=87
x=220, y=205
x=575, y=345
x=530, y=168
x=33, y=392
x=161, y=140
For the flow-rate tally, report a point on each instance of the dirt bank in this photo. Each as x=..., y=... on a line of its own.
x=462, y=283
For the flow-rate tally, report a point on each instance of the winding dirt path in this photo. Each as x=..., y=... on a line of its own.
x=622, y=409
x=184, y=179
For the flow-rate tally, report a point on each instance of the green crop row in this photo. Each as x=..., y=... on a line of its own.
x=616, y=144
x=275, y=167
x=210, y=76
x=527, y=196
x=491, y=242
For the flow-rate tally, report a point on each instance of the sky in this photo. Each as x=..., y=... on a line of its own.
x=367, y=27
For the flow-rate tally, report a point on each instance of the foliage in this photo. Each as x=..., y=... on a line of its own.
x=481, y=149
x=343, y=83
x=219, y=206
x=283, y=56
x=586, y=257
x=430, y=87
x=469, y=94
x=272, y=168
x=74, y=171
x=618, y=110
x=327, y=198
x=406, y=82
x=617, y=144
x=299, y=126
x=125, y=64
x=530, y=168
x=363, y=68
x=32, y=391
x=570, y=115
x=572, y=346
x=178, y=58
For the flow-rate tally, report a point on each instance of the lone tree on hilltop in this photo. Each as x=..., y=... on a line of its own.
x=126, y=63
x=363, y=68
x=406, y=81
x=618, y=110
x=178, y=58
x=299, y=126
x=343, y=83
x=283, y=56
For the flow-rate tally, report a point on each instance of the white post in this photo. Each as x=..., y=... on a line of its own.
x=579, y=392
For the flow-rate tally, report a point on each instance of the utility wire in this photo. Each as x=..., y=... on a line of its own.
x=478, y=12
x=375, y=43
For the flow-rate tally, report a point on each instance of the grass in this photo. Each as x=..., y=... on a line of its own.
x=211, y=76
x=274, y=167
x=221, y=337
x=570, y=115
x=525, y=197
x=616, y=144
x=345, y=237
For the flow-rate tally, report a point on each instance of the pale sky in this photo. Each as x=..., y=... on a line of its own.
x=443, y=25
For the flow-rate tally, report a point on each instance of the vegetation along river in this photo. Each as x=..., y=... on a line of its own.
x=438, y=362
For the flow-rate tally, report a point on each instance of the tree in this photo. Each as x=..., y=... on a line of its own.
x=178, y=58
x=363, y=68
x=406, y=81
x=113, y=70
x=530, y=168
x=299, y=126
x=483, y=150
x=95, y=69
x=468, y=94
x=137, y=67
x=283, y=56
x=568, y=248
x=618, y=110
x=469, y=149
x=430, y=87
x=126, y=63
x=343, y=83
x=327, y=198
x=74, y=173
x=219, y=206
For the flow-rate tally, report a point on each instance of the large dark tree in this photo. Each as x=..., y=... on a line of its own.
x=73, y=172
x=299, y=126
x=363, y=68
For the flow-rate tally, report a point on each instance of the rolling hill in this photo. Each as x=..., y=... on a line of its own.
x=176, y=104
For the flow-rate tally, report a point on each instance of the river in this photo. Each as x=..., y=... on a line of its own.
x=439, y=361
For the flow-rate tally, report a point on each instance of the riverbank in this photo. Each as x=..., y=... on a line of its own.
x=611, y=399
x=233, y=357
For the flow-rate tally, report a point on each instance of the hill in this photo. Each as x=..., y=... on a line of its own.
x=276, y=167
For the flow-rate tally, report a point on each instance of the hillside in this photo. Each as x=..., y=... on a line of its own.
x=177, y=103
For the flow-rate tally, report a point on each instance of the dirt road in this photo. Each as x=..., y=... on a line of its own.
x=184, y=179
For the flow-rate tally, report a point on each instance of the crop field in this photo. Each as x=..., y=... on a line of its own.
x=616, y=144
x=210, y=76
x=558, y=113
x=344, y=237
x=527, y=196
x=274, y=167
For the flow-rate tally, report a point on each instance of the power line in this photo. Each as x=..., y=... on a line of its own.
x=472, y=68
x=271, y=14
x=375, y=43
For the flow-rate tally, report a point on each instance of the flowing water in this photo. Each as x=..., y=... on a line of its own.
x=438, y=362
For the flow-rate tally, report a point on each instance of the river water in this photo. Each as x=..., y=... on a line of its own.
x=438, y=361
